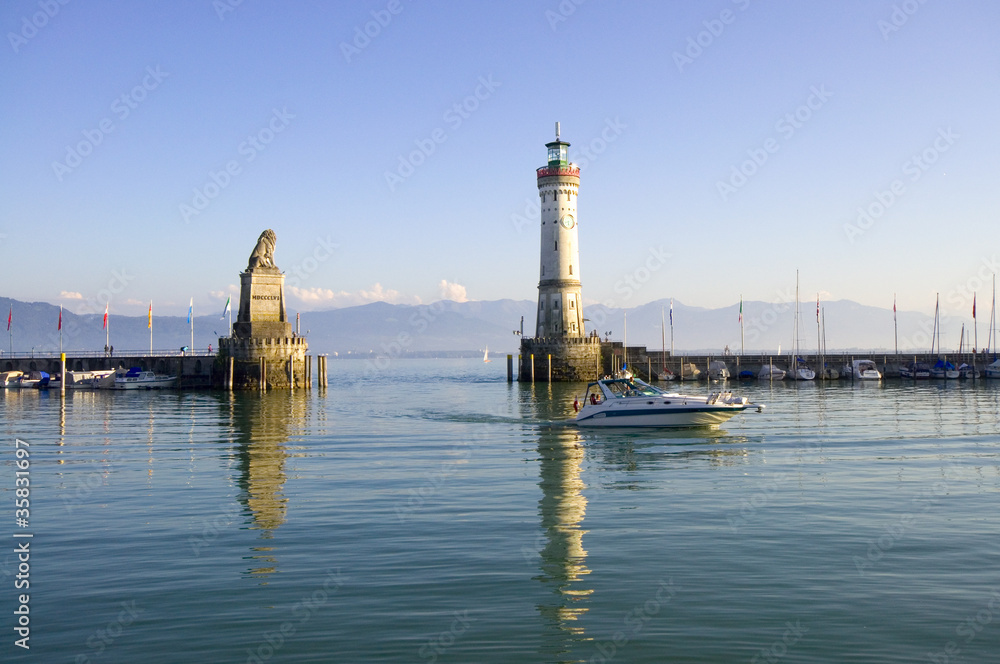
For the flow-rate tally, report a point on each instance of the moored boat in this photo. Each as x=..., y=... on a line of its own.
x=993, y=369
x=915, y=370
x=770, y=372
x=717, y=370
x=620, y=402
x=33, y=379
x=10, y=378
x=137, y=379
x=865, y=370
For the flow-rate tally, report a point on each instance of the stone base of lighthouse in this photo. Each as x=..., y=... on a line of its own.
x=573, y=359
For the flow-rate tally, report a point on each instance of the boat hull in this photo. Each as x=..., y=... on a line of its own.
x=653, y=417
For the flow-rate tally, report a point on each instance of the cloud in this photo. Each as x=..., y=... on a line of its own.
x=325, y=297
x=450, y=291
x=70, y=295
x=223, y=294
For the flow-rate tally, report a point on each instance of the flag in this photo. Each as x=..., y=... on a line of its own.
x=817, y=307
x=150, y=323
x=10, y=315
x=60, y=318
x=671, y=311
x=227, y=308
x=190, y=309
x=894, y=306
x=741, y=308
x=106, y=315
x=973, y=306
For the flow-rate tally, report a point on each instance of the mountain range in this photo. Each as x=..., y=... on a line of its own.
x=450, y=327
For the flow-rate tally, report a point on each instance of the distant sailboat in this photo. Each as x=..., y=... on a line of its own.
x=486, y=355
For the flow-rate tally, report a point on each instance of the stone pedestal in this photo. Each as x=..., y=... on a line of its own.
x=262, y=331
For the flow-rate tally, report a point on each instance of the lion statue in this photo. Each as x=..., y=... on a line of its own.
x=263, y=253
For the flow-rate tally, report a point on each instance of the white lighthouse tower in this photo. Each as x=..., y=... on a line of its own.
x=559, y=302
x=560, y=349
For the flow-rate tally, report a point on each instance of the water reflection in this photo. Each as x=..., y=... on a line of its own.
x=262, y=426
x=561, y=510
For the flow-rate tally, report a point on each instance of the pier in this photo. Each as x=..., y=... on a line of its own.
x=193, y=370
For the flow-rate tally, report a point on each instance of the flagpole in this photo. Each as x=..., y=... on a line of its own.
x=60, y=330
x=10, y=333
x=975, y=326
x=671, y=327
x=895, y=325
x=743, y=348
x=191, y=316
x=150, y=327
x=229, y=305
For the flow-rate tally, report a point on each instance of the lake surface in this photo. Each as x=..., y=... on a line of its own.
x=431, y=512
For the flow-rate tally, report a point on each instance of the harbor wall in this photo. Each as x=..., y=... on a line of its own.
x=192, y=371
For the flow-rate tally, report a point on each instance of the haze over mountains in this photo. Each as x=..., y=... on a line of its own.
x=446, y=326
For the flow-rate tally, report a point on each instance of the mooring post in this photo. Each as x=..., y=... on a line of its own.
x=263, y=374
x=510, y=368
x=550, y=367
x=230, y=378
x=532, y=357
x=62, y=372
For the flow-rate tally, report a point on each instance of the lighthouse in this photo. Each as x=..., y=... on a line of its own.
x=559, y=311
x=560, y=349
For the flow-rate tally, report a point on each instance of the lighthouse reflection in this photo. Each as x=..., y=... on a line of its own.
x=560, y=546
x=262, y=425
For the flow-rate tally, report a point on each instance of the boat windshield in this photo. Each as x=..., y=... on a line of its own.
x=632, y=388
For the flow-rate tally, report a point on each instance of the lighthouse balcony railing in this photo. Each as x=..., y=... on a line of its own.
x=547, y=171
x=562, y=341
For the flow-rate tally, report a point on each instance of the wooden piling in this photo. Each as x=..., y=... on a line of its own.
x=510, y=368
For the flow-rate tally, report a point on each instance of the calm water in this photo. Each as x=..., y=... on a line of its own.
x=434, y=513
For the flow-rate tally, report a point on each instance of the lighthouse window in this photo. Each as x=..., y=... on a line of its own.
x=557, y=245
x=572, y=303
x=555, y=304
x=571, y=269
x=543, y=270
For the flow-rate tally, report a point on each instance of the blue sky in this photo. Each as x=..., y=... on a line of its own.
x=147, y=144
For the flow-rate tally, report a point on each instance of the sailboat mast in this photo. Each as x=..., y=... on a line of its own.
x=663, y=341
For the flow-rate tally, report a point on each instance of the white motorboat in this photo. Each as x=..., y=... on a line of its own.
x=10, y=378
x=993, y=370
x=717, y=370
x=770, y=372
x=865, y=370
x=620, y=402
x=136, y=379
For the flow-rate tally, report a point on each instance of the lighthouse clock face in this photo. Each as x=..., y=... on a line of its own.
x=568, y=221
